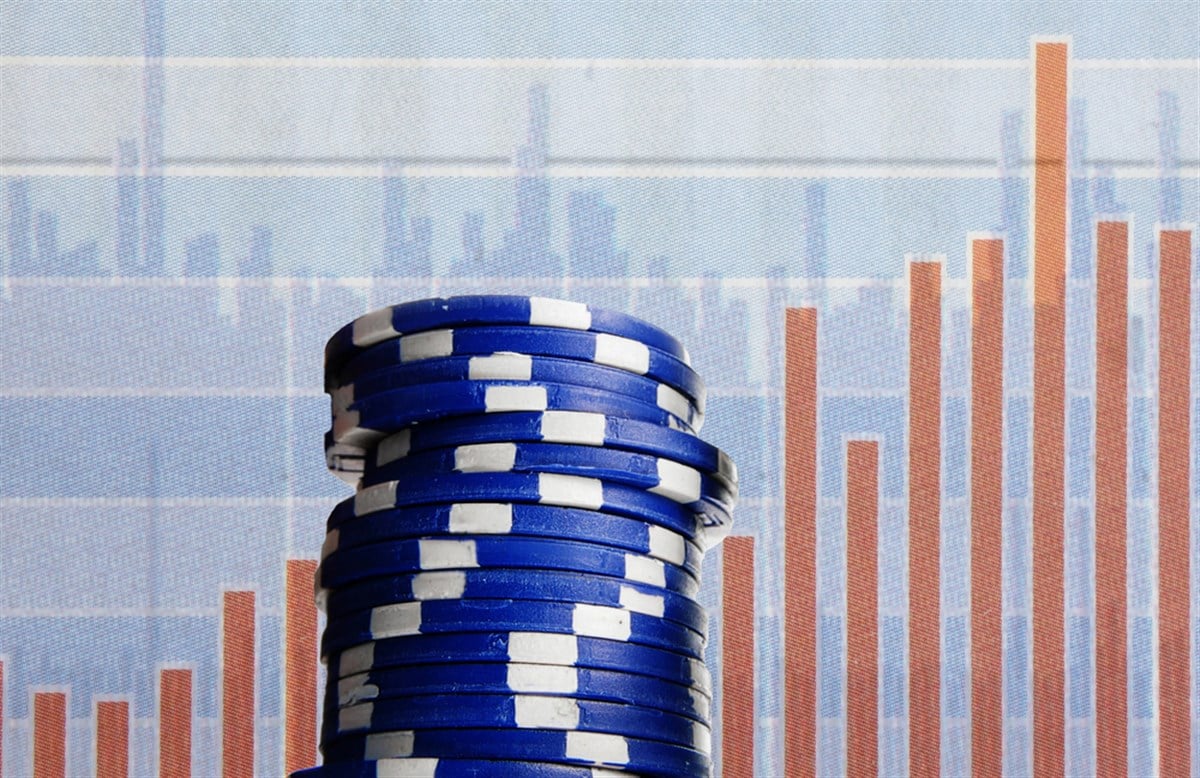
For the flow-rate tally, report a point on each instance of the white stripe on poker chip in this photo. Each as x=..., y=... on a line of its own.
x=441, y=585
x=701, y=737
x=373, y=498
x=570, y=490
x=485, y=457
x=331, y=543
x=597, y=747
x=355, y=689
x=677, y=482
x=726, y=466
x=666, y=544
x=443, y=554
x=645, y=569
x=601, y=621
x=624, y=353
x=380, y=745
x=426, y=345
x=542, y=648
x=481, y=518
x=503, y=399
x=541, y=678
x=532, y=712
x=573, y=427
x=676, y=404
x=373, y=327
x=358, y=659
x=396, y=620
x=409, y=768
x=393, y=447
x=640, y=602
x=355, y=717
x=504, y=366
x=548, y=312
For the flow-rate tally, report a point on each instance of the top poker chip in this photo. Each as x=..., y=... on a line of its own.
x=469, y=310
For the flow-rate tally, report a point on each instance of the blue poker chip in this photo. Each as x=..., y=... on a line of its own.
x=573, y=427
x=375, y=417
x=659, y=475
x=517, y=678
x=519, y=367
x=566, y=491
x=637, y=755
x=433, y=767
x=504, y=519
x=470, y=552
x=467, y=310
x=459, y=616
x=599, y=348
x=530, y=647
x=539, y=583
x=516, y=711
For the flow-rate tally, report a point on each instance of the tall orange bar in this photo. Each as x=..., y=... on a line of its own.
x=237, y=686
x=1049, y=399
x=737, y=657
x=300, y=660
x=49, y=735
x=175, y=723
x=924, y=517
x=1174, y=419
x=862, y=607
x=800, y=546
x=987, y=503
x=1112, y=371
x=112, y=739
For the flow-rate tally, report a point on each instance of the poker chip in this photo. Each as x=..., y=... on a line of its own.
x=539, y=521
x=522, y=648
x=511, y=588
x=470, y=552
x=520, y=678
x=534, y=583
x=636, y=755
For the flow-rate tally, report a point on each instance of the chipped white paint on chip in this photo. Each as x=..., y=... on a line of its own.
x=485, y=457
x=640, y=602
x=601, y=621
x=504, y=366
x=483, y=518
x=441, y=585
x=355, y=717
x=532, y=712
x=548, y=312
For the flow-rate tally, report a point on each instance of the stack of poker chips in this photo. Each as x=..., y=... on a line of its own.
x=511, y=589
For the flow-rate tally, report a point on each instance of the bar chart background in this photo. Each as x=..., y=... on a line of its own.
x=195, y=196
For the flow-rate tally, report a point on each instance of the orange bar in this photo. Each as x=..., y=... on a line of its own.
x=49, y=735
x=800, y=546
x=112, y=739
x=1049, y=398
x=987, y=503
x=862, y=607
x=237, y=686
x=175, y=723
x=737, y=657
x=300, y=660
x=1112, y=369
x=1174, y=420
x=924, y=517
